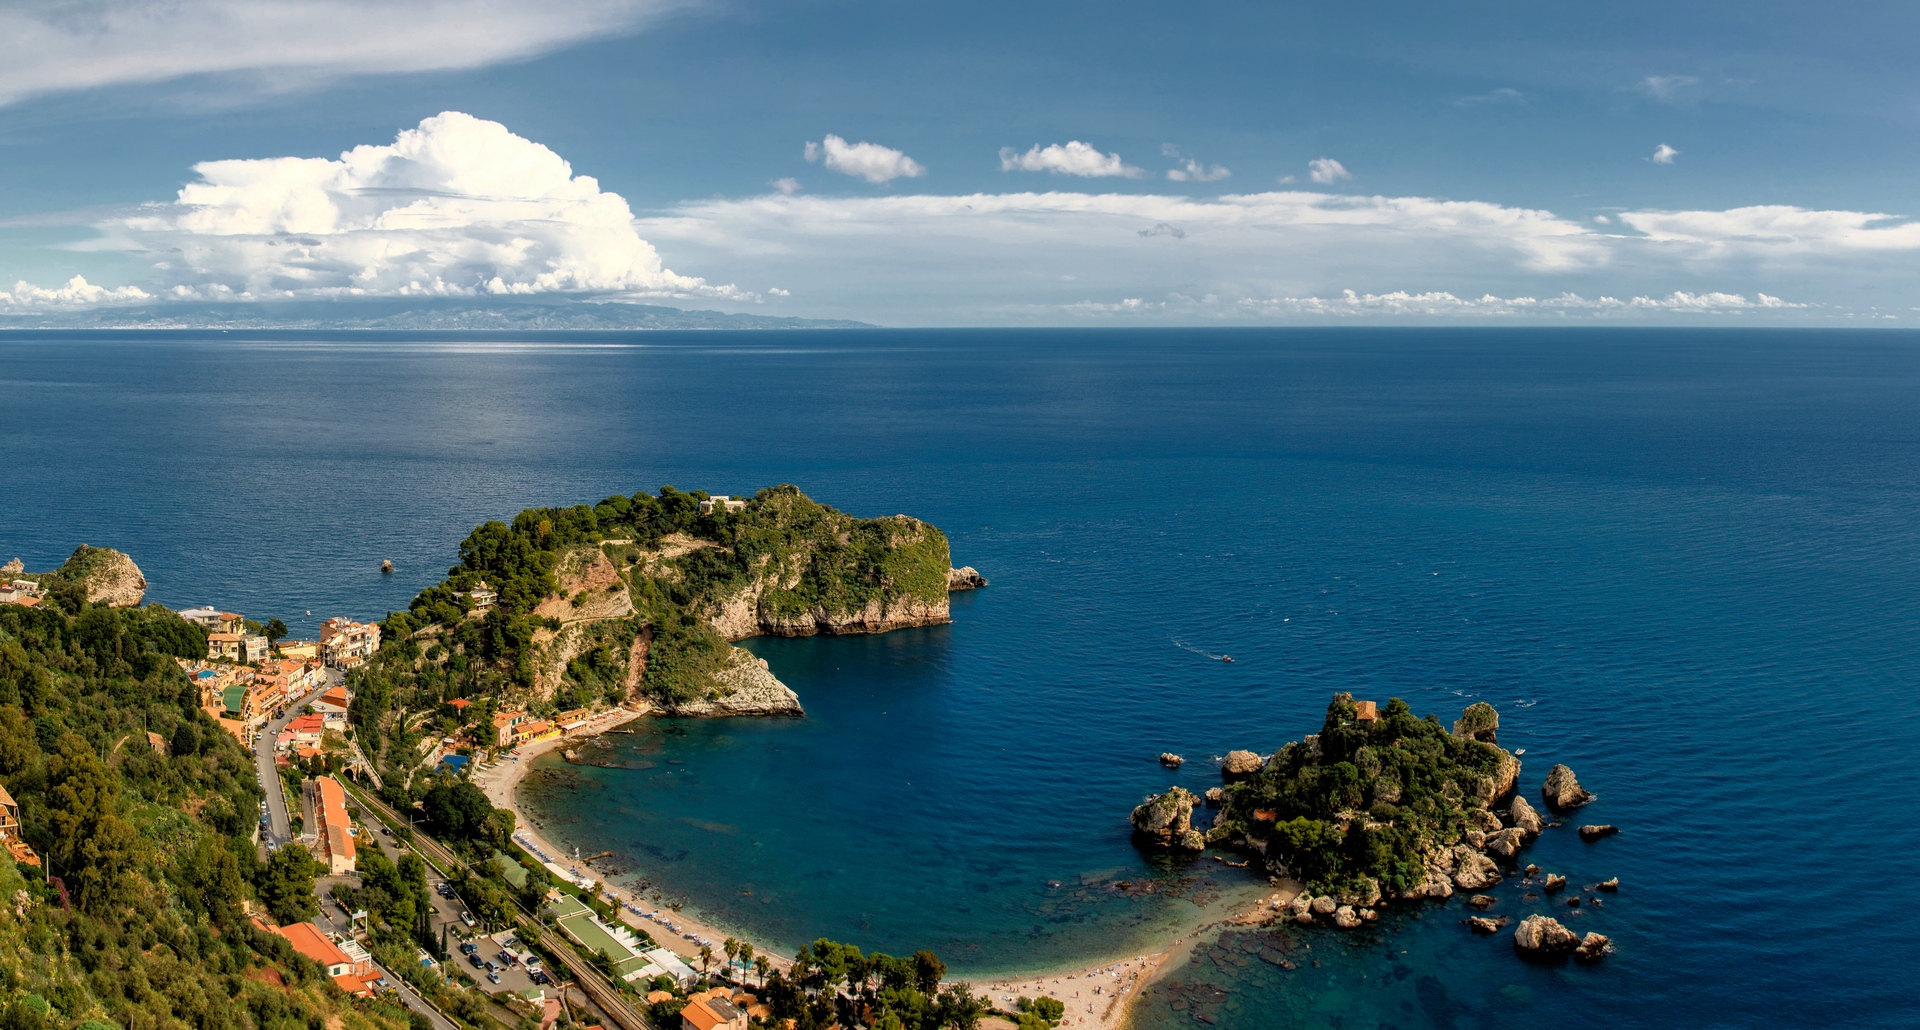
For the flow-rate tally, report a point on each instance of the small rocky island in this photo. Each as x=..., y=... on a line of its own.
x=1383, y=806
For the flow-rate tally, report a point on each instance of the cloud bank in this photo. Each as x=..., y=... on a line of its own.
x=1070, y=158
x=869, y=161
x=458, y=206
x=49, y=46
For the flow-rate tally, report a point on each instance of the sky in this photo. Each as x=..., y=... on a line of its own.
x=986, y=163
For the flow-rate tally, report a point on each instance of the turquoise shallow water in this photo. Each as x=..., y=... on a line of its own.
x=1682, y=562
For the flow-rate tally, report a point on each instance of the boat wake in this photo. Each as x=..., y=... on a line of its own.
x=1184, y=646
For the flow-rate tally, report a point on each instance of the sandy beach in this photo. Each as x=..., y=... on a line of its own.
x=1096, y=997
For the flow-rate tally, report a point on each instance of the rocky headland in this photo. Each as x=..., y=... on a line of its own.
x=99, y=575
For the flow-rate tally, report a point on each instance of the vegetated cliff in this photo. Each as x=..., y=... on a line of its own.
x=1393, y=805
x=97, y=575
x=637, y=599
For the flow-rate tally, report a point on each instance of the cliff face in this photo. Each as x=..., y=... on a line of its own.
x=746, y=614
x=111, y=578
x=744, y=687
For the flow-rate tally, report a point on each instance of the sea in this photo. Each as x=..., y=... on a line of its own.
x=1681, y=561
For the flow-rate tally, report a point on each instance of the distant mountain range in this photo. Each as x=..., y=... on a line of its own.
x=412, y=314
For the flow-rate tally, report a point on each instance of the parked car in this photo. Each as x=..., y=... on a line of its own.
x=474, y=960
x=469, y=948
x=490, y=966
x=493, y=977
x=540, y=976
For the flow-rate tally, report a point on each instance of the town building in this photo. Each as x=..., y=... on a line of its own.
x=20, y=591
x=299, y=649
x=532, y=730
x=722, y=503
x=482, y=596
x=349, y=972
x=224, y=645
x=302, y=729
x=715, y=1011
x=346, y=644
x=506, y=727
x=1366, y=711
x=254, y=649
x=215, y=621
x=10, y=831
x=331, y=707
x=333, y=830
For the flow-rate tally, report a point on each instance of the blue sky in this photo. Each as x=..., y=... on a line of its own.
x=1663, y=162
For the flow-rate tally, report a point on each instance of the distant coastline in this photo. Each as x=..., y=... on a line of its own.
x=413, y=315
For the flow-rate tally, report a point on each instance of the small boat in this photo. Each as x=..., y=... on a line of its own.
x=387, y=567
x=1227, y=658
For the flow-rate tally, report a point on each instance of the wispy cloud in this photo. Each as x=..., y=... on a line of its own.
x=1326, y=171
x=1493, y=97
x=1070, y=158
x=869, y=161
x=1777, y=231
x=49, y=46
x=1350, y=304
x=1668, y=88
x=1663, y=155
x=1191, y=170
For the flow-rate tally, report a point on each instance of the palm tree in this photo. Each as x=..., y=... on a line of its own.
x=746, y=957
x=761, y=965
x=706, y=957
x=732, y=948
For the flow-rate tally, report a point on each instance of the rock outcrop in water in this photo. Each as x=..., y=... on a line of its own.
x=1166, y=820
x=1480, y=721
x=964, y=578
x=1240, y=764
x=1562, y=791
x=1543, y=936
x=1593, y=833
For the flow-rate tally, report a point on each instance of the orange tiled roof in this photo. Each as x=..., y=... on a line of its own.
x=307, y=939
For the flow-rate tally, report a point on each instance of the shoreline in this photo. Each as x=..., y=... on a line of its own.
x=1098, y=996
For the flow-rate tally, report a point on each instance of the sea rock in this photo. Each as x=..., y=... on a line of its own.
x=1193, y=840
x=110, y=578
x=1484, y=821
x=1543, y=935
x=1593, y=833
x=1171, y=760
x=1481, y=924
x=1610, y=885
x=1344, y=918
x=1592, y=948
x=745, y=686
x=1216, y=797
x=1166, y=818
x=1300, y=905
x=1524, y=817
x=13, y=568
x=1505, y=777
x=1475, y=839
x=1562, y=791
x=1240, y=764
x=1507, y=842
x=1556, y=882
x=1481, y=901
x=1479, y=722
x=1574, y=901
x=964, y=578
x=1473, y=871
x=1324, y=906
x=1532, y=869
x=1369, y=915
x=1366, y=897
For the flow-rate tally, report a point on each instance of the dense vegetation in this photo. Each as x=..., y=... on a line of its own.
x=833, y=984
x=1364, y=800
x=140, y=923
x=674, y=564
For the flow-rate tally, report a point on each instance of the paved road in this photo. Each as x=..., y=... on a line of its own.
x=279, y=828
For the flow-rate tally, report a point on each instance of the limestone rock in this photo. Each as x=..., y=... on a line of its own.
x=1592, y=948
x=1481, y=901
x=1507, y=842
x=745, y=687
x=1556, y=882
x=1475, y=839
x=1505, y=776
x=1344, y=918
x=1479, y=721
x=1240, y=764
x=1593, y=833
x=1171, y=760
x=1484, y=821
x=1481, y=924
x=1473, y=871
x=1216, y=797
x=1369, y=915
x=1562, y=791
x=110, y=578
x=13, y=568
x=1434, y=886
x=1193, y=840
x=1366, y=897
x=1524, y=818
x=1543, y=935
x=1609, y=885
x=1532, y=869
x=1167, y=818
x=1324, y=906
x=964, y=578
x=1301, y=905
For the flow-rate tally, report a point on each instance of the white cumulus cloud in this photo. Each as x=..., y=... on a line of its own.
x=1667, y=88
x=77, y=293
x=1191, y=170
x=1326, y=171
x=1070, y=158
x=1663, y=155
x=869, y=161
x=458, y=206
x=1778, y=230
x=58, y=45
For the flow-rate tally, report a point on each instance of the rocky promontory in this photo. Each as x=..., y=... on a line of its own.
x=108, y=576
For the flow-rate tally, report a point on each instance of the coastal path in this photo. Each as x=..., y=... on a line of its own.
x=599, y=989
x=279, y=823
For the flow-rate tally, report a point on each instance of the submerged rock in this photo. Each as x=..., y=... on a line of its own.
x=1481, y=901
x=1593, y=833
x=1543, y=935
x=1610, y=885
x=1481, y=924
x=1562, y=791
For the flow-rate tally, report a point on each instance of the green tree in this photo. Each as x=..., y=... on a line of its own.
x=286, y=884
x=93, y=849
x=276, y=631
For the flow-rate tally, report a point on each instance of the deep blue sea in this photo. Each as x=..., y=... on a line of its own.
x=1683, y=562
